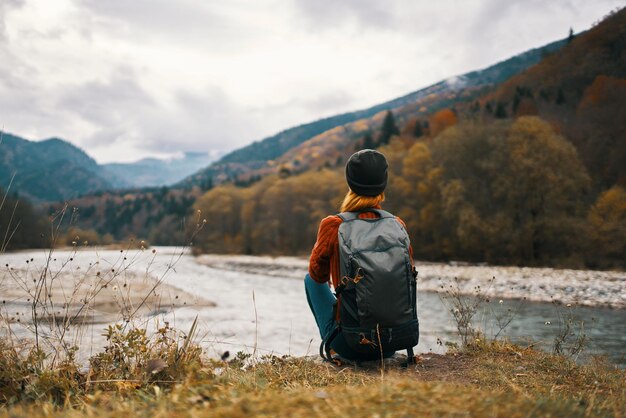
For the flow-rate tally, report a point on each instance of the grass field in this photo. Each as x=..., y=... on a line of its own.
x=483, y=379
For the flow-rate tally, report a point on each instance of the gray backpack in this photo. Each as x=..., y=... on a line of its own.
x=376, y=297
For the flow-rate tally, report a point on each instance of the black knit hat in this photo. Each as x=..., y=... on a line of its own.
x=366, y=172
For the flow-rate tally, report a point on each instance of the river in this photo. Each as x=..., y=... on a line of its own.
x=264, y=311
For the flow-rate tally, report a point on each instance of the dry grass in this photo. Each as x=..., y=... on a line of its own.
x=485, y=379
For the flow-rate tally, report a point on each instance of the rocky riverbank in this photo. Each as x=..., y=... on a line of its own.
x=582, y=287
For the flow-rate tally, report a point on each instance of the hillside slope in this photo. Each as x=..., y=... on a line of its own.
x=582, y=91
x=56, y=170
x=466, y=86
x=48, y=170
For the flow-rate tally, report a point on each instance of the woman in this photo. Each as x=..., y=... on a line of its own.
x=366, y=175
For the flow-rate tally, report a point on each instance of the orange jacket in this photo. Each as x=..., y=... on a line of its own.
x=324, y=261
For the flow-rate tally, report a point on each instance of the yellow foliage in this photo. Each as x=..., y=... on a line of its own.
x=360, y=126
x=607, y=219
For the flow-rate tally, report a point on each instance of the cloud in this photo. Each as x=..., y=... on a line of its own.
x=209, y=25
x=328, y=103
x=6, y=6
x=209, y=119
x=122, y=113
x=499, y=30
x=328, y=14
x=324, y=104
x=129, y=79
x=107, y=103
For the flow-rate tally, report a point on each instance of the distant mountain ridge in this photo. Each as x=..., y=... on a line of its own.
x=154, y=172
x=56, y=170
x=255, y=155
x=48, y=170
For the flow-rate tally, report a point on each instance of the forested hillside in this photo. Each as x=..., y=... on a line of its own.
x=48, y=170
x=513, y=191
x=55, y=170
x=159, y=215
x=260, y=154
x=582, y=92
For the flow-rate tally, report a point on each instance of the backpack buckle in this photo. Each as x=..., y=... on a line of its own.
x=358, y=275
x=364, y=341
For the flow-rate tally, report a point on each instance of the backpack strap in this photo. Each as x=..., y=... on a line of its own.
x=348, y=216
x=351, y=216
x=325, y=345
x=410, y=357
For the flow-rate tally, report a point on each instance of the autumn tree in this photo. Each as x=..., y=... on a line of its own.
x=442, y=120
x=607, y=222
x=221, y=207
x=290, y=210
x=420, y=187
x=511, y=191
x=598, y=131
x=277, y=215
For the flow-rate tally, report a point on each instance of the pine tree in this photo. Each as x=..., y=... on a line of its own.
x=570, y=37
x=418, y=131
x=368, y=142
x=388, y=129
x=560, y=97
x=500, y=111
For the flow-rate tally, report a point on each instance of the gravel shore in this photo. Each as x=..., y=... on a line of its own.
x=582, y=287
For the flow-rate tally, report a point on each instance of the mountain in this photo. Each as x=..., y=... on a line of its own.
x=48, y=170
x=152, y=172
x=256, y=155
x=579, y=86
x=55, y=170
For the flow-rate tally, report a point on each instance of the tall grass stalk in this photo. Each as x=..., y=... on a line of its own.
x=463, y=307
x=8, y=233
x=63, y=297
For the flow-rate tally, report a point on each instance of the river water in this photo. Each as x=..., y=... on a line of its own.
x=268, y=313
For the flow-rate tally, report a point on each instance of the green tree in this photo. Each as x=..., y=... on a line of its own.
x=418, y=131
x=500, y=112
x=388, y=128
x=368, y=142
x=21, y=226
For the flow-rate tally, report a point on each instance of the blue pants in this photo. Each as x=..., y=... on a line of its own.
x=321, y=301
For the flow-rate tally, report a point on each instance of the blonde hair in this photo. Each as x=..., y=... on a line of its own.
x=354, y=202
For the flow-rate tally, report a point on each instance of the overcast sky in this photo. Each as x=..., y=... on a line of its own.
x=126, y=79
